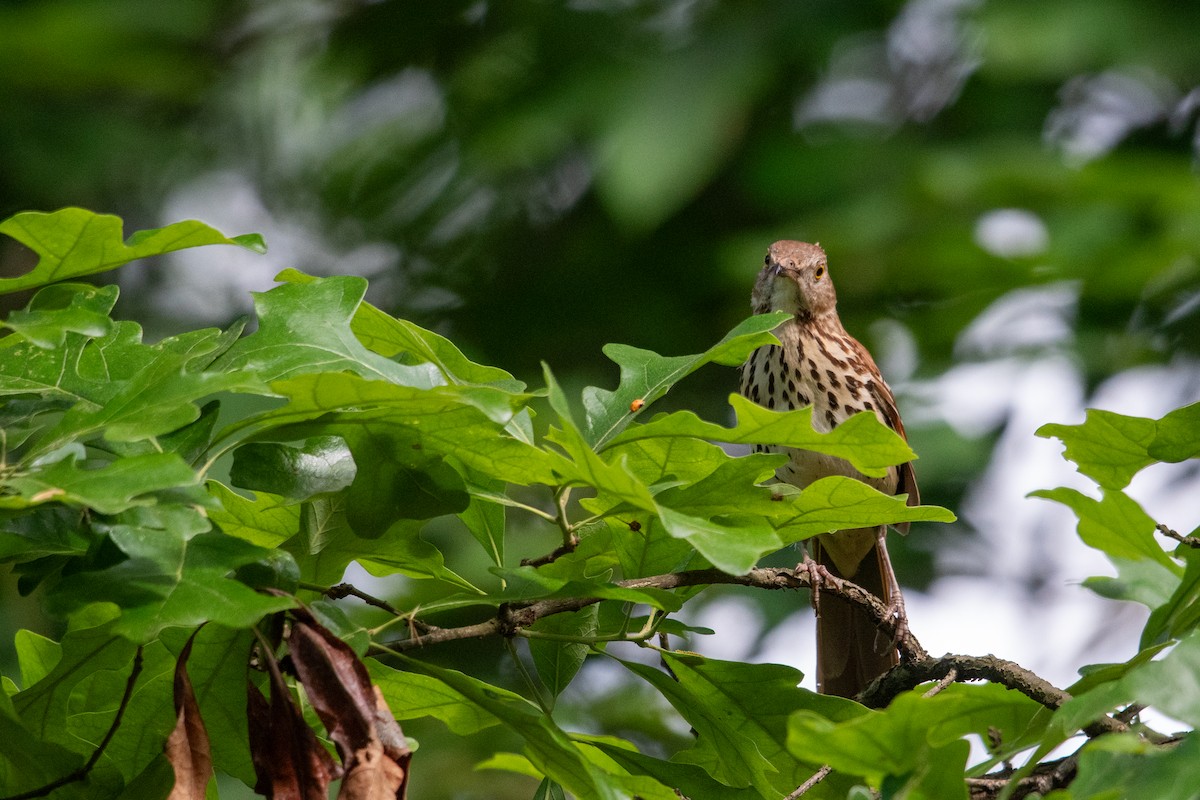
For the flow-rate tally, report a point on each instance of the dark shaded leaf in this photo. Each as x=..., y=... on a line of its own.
x=319, y=465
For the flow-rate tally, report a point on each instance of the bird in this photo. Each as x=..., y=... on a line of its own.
x=819, y=364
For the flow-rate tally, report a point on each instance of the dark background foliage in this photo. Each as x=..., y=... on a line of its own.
x=1007, y=192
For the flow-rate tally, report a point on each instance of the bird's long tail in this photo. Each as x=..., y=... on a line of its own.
x=851, y=652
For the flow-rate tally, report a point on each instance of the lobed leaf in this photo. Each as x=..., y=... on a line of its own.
x=646, y=376
x=65, y=308
x=740, y=715
x=1115, y=524
x=109, y=489
x=917, y=741
x=389, y=337
x=1111, y=448
x=547, y=746
x=306, y=328
x=862, y=440
x=72, y=242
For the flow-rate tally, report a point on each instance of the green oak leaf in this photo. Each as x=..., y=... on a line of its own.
x=693, y=782
x=164, y=569
x=1125, y=765
x=1109, y=448
x=43, y=706
x=917, y=740
x=733, y=548
x=266, y=520
x=328, y=543
x=740, y=715
x=647, y=376
x=404, y=481
x=36, y=655
x=109, y=489
x=411, y=695
x=1177, y=435
x=862, y=439
x=837, y=503
x=65, y=308
x=50, y=529
x=28, y=762
x=305, y=328
x=388, y=336
x=1178, y=614
x=461, y=422
x=558, y=660
x=547, y=746
x=148, y=718
x=72, y=242
x=318, y=465
x=484, y=516
x=1115, y=524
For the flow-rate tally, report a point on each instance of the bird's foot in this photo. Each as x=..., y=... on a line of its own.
x=898, y=614
x=818, y=576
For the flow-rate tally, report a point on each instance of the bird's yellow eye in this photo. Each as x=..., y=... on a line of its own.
x=820, y=273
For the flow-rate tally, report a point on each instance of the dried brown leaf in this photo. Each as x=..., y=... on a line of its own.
x=291, y=764
x=369, y=740
x=187, y=747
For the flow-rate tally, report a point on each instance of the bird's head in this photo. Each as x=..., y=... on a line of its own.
x=795, y=279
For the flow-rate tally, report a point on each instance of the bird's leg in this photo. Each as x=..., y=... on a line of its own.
x=895, y=602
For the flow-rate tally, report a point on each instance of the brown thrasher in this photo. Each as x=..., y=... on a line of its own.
x=821, y=365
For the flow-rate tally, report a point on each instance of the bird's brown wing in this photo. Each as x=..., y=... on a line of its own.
x=885, y=401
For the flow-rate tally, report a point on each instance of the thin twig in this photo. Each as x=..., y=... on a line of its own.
x=341, y=590
x=83, y=771
x=1190, y=541
x=563, y=549
x=941, y=685
x=816, y=778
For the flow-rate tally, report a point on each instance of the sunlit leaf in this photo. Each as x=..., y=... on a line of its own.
x=389, y=336
x=305, y=328
x=1115, y=524
x=1109, y=448
x=72, y=242
x=109, y=489
x=862, y=440
x=646, y=376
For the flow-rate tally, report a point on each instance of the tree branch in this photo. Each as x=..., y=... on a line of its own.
x=911, y=674
x=513, y=616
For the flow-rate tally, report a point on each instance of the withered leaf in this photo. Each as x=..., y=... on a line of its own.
x=187, y=747
x=368, y=739
x=288, y=759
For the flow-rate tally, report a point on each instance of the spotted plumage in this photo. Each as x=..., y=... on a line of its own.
x=826, y=367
